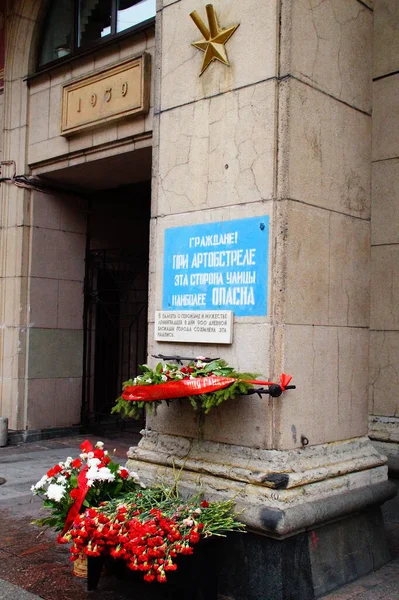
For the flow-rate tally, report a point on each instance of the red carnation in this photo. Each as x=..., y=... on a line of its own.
x=75, y=493
x=204, y=504
x=98, y=453
x=124, y=473
x=76, y=464
x=54, y=471
x=86, y=446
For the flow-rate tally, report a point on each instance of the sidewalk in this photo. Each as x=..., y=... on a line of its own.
x=33, y=566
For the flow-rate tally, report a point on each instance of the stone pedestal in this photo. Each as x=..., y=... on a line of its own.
x=313, y=514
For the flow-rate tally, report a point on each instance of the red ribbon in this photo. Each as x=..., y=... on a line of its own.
x=188, y=387
x=83, y=488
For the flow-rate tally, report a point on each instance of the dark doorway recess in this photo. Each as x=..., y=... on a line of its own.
x=115, y=298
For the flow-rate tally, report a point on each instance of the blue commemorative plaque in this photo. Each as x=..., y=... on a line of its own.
x=217, y=266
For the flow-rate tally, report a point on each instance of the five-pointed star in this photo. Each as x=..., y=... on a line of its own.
x=213, y=43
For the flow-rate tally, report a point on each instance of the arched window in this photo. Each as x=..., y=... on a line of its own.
x=72, y=26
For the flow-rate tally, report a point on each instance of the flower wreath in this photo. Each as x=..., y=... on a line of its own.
x=205, y=384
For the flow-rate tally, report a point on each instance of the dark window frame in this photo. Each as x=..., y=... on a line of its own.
x=78, y=51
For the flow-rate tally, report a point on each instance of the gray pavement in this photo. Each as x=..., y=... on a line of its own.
x=22, y=466
x=8, y=591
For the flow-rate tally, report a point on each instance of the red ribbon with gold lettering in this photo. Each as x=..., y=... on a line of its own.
x=189, y=387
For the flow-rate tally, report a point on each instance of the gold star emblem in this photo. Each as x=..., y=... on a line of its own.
x=214, y=38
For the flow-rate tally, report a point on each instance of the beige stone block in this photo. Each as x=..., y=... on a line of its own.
x=384, y=376
x=386, y=118
x=55, y=111
x=15, y=206
x=55, y=353
x=325, y=151
x=307, y=256
x=48, y=149
x=218, y=152
x=11, y=349
x=325, y=267
x=70, y=305
x=83, y=66
x=61, y=75
x=386, y=37
x=74, y=214
x=10, y=389
x=40, y=83
x=384, y=287
x=43, y=302
x=330, y=369
x=39, y=108
x=41, y=403
x=250, y=63
x=17, y=148
x=78, y=160
x=329, y=45
x=14, y=295
x=57, y=254
x=133, y=45
x=105, y=134
x=349, y=271
x=68, y=400
x=240, y=421
x=46, y=210
x=385, y=203
x=81, y=141
x=15, y=247
x=131, y=127
x=105, y=57
x=18, y=108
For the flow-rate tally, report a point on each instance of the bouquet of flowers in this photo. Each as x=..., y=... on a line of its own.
x=82, y=482
x=149, y=529
x=205, y=384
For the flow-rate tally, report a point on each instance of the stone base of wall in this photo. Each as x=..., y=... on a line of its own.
x=281, y=493
x=305, y=566
x=384, y=429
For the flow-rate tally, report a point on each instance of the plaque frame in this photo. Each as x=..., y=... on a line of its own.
x=141, y=61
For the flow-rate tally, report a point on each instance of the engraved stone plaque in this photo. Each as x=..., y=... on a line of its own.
x=113, y=93
x=201, y=327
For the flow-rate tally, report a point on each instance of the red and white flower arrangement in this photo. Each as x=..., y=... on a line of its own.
x=81, y=482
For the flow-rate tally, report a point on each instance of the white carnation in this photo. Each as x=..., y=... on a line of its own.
x=56, y=492
x=93, y=462
x=100, y=445
x=105, y=474
x=41, y=482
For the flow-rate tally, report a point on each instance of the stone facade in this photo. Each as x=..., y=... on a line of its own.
x=300, y=129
